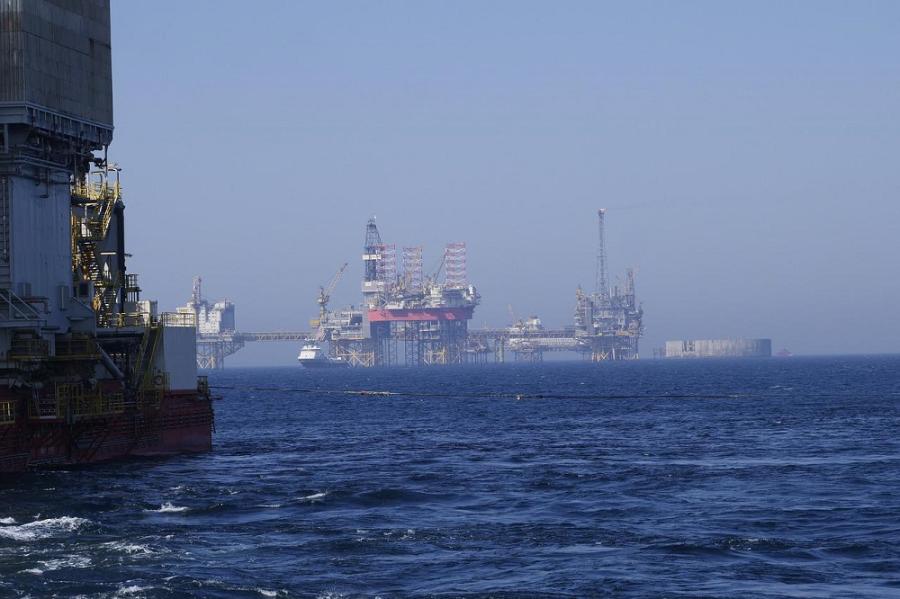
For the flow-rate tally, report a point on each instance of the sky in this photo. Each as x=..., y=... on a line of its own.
x=746, y=153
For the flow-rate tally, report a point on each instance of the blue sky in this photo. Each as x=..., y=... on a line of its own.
x=747, y=153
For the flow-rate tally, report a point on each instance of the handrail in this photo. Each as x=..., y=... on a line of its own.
x=178, y=319
x=97, y=191
x=15, y=307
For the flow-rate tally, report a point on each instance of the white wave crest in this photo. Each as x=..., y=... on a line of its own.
x=129, y=548
x=168, y=508
x=316, y=496
x=41, y=529
x=130, y=590
x=70, y=561
x=6, y=521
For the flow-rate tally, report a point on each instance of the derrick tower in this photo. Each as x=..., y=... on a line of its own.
x=609, y=322
x=601, y=283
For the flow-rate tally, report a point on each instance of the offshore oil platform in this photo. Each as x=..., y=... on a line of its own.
x=412, y=318
x=89, y=370
x=407, y=317
x=608, y=323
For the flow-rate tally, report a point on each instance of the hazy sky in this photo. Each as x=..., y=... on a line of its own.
x=747, y=153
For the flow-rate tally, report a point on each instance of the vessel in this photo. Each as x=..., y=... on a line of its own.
x=89, y=371
x=312, y=356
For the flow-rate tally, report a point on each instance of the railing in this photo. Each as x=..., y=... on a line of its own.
x=97, y=191
x=77, y=348
x=46, y=408
x=29, y=349
x=7, y=412
x=178, y=319
x=98, y=404
x=83, y=404
x=13, y=307
x=131, y=319
x=275, y=336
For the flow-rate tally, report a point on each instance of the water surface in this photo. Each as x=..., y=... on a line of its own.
x=763, y=478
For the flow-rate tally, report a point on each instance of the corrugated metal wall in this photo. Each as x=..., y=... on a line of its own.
x=57, y=54
x=5, y=282
x=711, y=348
x=12, y=63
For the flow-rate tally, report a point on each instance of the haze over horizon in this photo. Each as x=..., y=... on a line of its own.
x=745, y=154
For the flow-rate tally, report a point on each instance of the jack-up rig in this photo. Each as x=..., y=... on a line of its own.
x=407, y=317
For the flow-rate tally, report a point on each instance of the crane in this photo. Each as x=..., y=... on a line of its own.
x=322, y=300
x=325, y=292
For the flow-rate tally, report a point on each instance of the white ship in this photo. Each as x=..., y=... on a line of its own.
x=312, y=356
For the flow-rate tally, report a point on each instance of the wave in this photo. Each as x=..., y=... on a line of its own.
x=168, y=508
x=42, y=529
x=71, y=561
x=129, y=548
x=130, y=590
x=6, y=521
x=316, y=496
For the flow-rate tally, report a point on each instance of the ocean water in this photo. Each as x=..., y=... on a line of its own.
x=757, y=478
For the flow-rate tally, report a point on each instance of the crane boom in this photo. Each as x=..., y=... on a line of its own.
x=324, y=298
x=325, y=292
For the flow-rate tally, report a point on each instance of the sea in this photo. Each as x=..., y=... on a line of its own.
x=654, y=478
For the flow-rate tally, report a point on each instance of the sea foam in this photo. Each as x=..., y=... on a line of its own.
x=42, y=529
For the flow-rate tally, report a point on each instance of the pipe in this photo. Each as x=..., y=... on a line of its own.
x=120, y=252
x=110, y=365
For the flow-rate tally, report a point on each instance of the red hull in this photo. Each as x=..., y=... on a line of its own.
x=182, y=423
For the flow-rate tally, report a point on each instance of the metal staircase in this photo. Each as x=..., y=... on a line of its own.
x=90, y=230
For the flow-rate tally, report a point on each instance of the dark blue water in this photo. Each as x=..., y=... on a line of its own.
x=768, y=478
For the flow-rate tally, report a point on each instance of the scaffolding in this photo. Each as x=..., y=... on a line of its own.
x=413, y=273
x=455, y=265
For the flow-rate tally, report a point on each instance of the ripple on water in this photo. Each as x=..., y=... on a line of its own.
x=769, y=494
